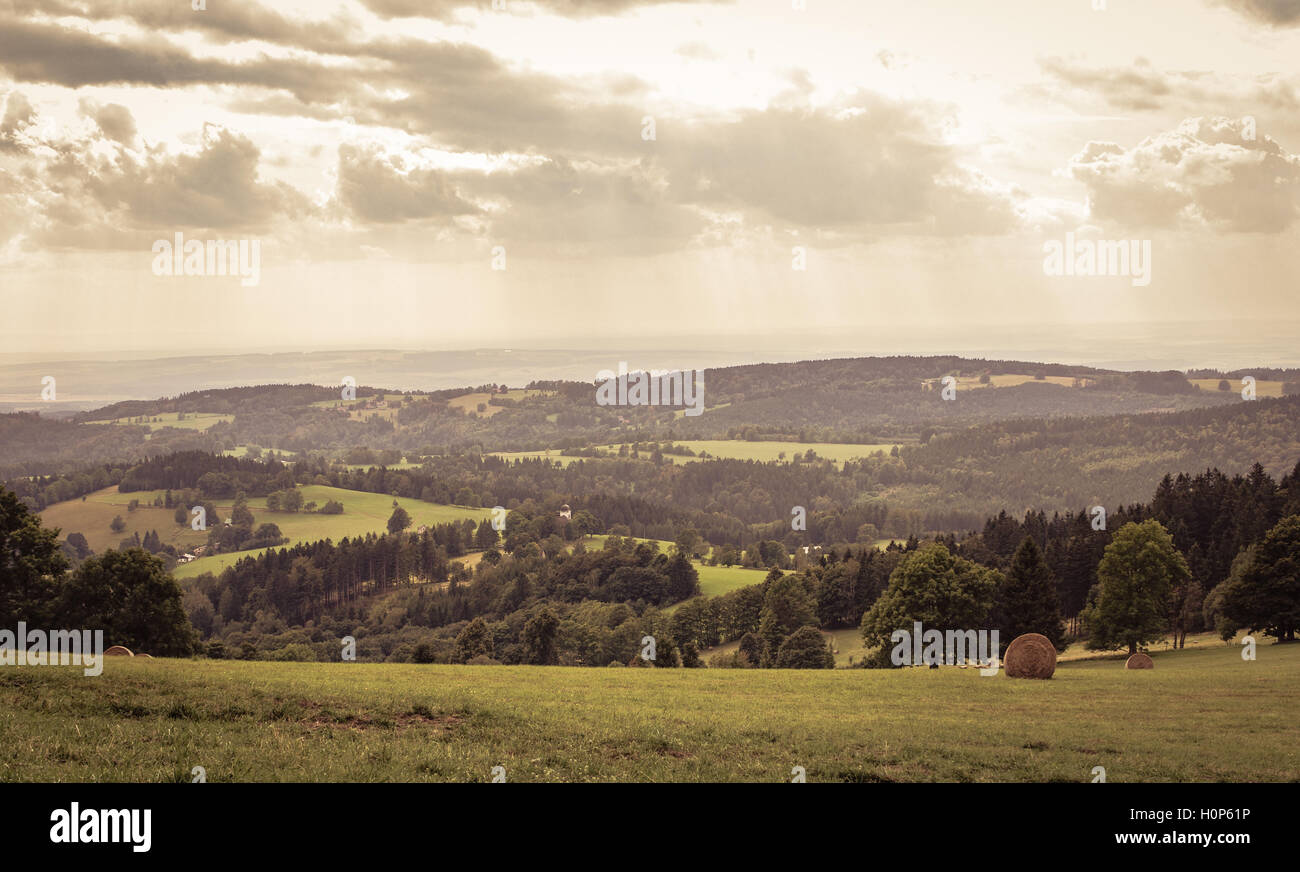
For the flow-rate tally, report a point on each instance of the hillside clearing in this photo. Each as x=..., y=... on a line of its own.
x=362, y=513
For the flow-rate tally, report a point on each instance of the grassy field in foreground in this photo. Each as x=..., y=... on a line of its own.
x=1203, y=715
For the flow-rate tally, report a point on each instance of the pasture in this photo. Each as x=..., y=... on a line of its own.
x=1263, y=388
x=736, y=449
x=191, y=421
x=362, y=513
x=717, y=580
x=1200, y=715
x=469, y=403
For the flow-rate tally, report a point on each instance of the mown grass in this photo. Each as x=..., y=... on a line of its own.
x=1203, y=715
x=717, y=580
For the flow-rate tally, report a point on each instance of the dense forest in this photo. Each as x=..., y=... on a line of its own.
x=538, y=595
x=1212, y=519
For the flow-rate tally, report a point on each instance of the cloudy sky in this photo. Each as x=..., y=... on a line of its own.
x=640, y=168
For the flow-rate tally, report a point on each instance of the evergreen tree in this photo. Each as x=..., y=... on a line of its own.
x=683, y=579
x=1264, y=594
x=787, y=606
x=805, y=649
x=1026, y=598
x=485, y=536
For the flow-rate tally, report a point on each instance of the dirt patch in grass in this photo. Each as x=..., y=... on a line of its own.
x=361, y=723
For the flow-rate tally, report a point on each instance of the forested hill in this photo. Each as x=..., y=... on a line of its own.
x=950, y=484
x=864, y=400
x=1072, y=463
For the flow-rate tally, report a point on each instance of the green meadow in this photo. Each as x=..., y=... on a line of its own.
x=362, y=513
x=192, y=420
x=736, y=449
x=768, y=451
x=1263, y=387
x=715, y=580
x=1199, y=715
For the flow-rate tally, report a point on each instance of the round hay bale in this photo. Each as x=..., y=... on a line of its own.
x=1030, y=656
x=145, y=656
x=1139, y=661
x=118, y=651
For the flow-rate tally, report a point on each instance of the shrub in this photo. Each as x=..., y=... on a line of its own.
x=805, y=649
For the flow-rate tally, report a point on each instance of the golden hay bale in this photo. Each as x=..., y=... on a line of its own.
x=145, y=656
x=1030, y=656
x=118, y=651
x=1139, y=661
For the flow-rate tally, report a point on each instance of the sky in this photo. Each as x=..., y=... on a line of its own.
x=589, y=173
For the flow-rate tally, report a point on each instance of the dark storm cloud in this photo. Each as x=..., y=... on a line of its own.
x=1275, y=13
